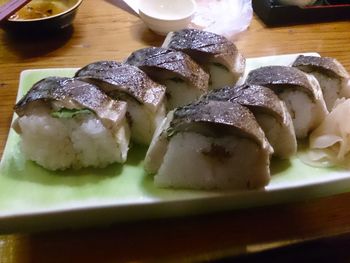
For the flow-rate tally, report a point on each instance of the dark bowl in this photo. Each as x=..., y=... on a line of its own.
x=43, y=25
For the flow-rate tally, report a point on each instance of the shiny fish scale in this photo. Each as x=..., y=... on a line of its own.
x=250, y=95
x=280, y=75
x=176, y=62
x=201, y=40
x=73, y=94
x=126, y=78
x=329, y=66
x=229, y=114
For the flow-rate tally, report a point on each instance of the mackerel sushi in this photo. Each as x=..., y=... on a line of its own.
x=215, y=53
x=66, y=123
x=331, y=75
x=184, y=79
x=210, y=145
x=145, y=98
x=300, y=92
x=270, y=112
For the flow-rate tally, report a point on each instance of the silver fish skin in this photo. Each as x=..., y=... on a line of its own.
x=270, y=112
x=207, y=47
x=329, y=66
x=223, y=118
x=161, y=63
x=281, y=77
x=251, y=96
x=120, y=79
x=61, y=92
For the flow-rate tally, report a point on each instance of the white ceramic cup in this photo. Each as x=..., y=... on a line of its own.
x=164, y=16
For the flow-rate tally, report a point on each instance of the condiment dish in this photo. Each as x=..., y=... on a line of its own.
x=163, y=16
x=48, y=23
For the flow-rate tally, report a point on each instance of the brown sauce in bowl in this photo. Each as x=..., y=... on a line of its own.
x=40, y=9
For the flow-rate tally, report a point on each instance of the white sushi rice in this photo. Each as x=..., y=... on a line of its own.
x=281, y=136
x=220, y=76
x=60, y=143
x=331, y=88
x=301, y=110
x=186, y=163
x=306, y=114
x=179, y=93
x=158, y=147
x=144, y=121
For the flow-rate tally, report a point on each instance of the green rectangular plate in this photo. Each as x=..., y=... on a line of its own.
x=35, y=199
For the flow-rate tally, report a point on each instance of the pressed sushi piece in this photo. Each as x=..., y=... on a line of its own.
x=331, y=75
x=210, y=145
x=300, y=92
x=270, y=112
x=66, y=123
x=215, y=53
x=145, y=98
x=184, y=79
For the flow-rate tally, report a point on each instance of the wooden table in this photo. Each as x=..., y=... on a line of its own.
x=104, y=31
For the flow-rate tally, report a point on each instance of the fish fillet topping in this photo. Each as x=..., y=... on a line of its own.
x=69, y=93
x=214, y=52
x=184, y=78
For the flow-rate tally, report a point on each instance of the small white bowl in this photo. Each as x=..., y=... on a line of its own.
x=163, y=16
